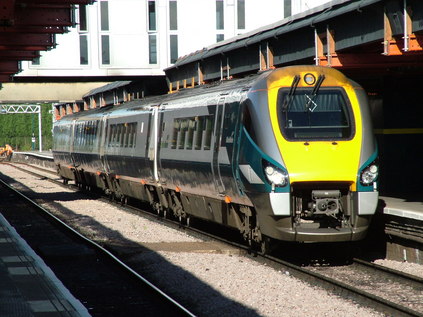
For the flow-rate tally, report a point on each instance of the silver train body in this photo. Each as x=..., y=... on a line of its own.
x=223, y=153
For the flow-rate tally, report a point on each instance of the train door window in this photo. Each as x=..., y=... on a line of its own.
x=199, y=128
x=175, y=132
x=208, y=132
x=182, y=134
x=190, y=133
x=164, y=143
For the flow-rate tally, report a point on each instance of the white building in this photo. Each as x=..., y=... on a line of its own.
x=121, y=39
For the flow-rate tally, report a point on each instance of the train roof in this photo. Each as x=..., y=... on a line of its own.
x=146, y=103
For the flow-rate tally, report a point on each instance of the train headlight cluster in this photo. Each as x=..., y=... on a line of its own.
x=276, y=176
x=369, y=174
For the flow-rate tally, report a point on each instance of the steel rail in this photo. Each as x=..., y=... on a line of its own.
x=393, y=272
x=332, y=285
x=103, y=250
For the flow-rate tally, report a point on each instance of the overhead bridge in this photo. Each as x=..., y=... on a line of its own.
x=346, y=34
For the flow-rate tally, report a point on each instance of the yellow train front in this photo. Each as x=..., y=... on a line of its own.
x=308, y=157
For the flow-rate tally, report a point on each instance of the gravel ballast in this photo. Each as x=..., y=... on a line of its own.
x=215, y=284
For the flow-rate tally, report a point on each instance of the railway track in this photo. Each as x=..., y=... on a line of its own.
x=366, y=283
x=103, y=283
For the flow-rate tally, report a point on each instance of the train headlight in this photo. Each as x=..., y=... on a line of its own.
x=276, y=176
x=369, y=174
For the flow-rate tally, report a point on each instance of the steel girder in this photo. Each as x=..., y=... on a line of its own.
x=28, y=27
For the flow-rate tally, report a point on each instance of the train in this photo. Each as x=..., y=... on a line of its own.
x=283, y=155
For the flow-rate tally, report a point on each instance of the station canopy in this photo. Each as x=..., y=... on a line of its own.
x=28, y=27
x=358, y=35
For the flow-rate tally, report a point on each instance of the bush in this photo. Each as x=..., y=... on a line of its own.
x=17, y=129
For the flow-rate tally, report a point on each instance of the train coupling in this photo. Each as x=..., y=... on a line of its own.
x=325, y=202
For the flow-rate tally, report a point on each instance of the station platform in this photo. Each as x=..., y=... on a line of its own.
x=28, y=287
x=402, y=208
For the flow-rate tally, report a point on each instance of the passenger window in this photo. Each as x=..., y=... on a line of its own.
x=190, y=133
x=134, y=134
x=182, y=134
x=113, y=135
x=126, y=135
x=208, y=132
x=122, y=135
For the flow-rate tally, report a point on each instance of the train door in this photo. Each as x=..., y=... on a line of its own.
x=218, y=126
x=153, y=143
x=103, y=143
x=72, y=142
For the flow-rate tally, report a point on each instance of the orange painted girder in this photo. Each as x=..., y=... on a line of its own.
x=396, y=47
x=370, y=60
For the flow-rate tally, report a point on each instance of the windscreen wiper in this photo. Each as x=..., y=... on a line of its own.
x=314, y=93
x=288, y=100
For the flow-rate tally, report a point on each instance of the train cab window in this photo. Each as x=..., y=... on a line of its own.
x=199, y=128
x=326, y=116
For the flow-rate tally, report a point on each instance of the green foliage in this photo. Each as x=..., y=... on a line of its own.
x=17, y=129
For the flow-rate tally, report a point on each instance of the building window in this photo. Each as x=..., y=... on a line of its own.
x=173, y=48
x=219, y=15
x=152, y=45
x=104, y=13
x=241, y=14
x=83, y=49
x=151, y=15
x=105, y=50
x=83, y=25
x=287, y=8
x=220, y=37
x=173, y=15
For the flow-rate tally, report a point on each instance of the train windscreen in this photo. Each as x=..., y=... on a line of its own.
x=324, y=115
